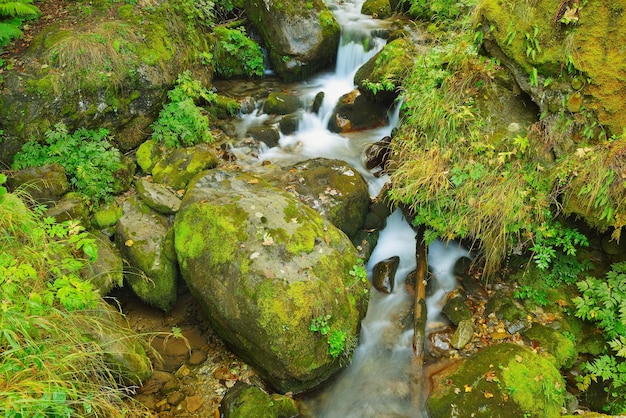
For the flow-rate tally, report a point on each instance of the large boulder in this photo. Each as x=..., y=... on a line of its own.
x=331, y=187
x=504, y=380
x=266, y=268
x=144, y=239
x=357, y=112
x=301, y=36
x=112, y=72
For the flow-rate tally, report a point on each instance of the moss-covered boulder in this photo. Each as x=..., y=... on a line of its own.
x=386, y=70
x=244, y=401
x=143, y=239
x=281, y=103
x=554, y=345
x=44, y=184
x=380, y=9
x=110, y=72
x=106, y=271
x=265, y=267
x=301, y=36
x=504, y=380
x=157, y=196
x=331, y=187
x=179, y=165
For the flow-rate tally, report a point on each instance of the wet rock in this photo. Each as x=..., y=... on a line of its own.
x=194, y=403
x=377, y=156
x=398, y=56
x=383, y=274
x=439, y=342
x=175, y=398
x=107, y=215
x=355, y=112
x=281, y=104
x=501, y=380
x=463, y=334
x=289, y=124
x=317, y=102
x=44, y=184
x=259, y=262
x=197, y=357
x=456, y=310
x=380, y=9
x=158, y=380
x=244, y=401
x=247, y=105
x=157, y=197
x=301, y=37
x=142, y=238
x=266, y=134
x=504, y=307
x=148, y=154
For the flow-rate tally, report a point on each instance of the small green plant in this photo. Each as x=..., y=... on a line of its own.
x=532, y=43
x=359, y=271
x=236, y=54
x=320, y=324
x=527, y=292
x=603, y=302
x=551, y=237
x=336, y=343
x=181, y=122
x=88, y=157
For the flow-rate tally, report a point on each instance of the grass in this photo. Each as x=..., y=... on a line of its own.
x=58, y=338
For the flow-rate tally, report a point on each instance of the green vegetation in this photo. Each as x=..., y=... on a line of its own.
x=50, y=362
x=336, y=339
x=237, y=55
x=603, y=302
x=12, y=15
x=88, y=157
x=181, y=122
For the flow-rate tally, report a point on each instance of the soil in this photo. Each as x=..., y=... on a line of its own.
x=192, y=371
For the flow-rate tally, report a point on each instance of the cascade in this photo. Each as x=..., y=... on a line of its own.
x=376, y=383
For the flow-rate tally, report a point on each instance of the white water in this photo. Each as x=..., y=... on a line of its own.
x=377, y=381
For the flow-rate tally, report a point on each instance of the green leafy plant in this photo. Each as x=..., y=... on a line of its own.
x=88, y=157
x=532, y=43
x=12, y=15
x=336, y=343
x=320, y=324
x=236, y=54
x=527, y=292
x=603, y=302
x=181, y=122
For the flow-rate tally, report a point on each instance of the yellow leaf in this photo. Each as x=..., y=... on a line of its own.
x=488, y=394
x=467, y=388
x=129, y=243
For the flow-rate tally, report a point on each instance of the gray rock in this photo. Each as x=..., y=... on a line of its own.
x=157, y=197
x=44, y=184
x=463, y=334
x=142, y=238
x=383, y=274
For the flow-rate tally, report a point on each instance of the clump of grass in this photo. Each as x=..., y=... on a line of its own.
x=56, y=340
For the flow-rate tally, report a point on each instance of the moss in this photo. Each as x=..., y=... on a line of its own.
x=558, y=348
x=107, y=215
x=504, y=377
x=202, y=223
x=328, y=23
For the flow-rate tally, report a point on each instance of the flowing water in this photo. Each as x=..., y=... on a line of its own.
x=376, y=383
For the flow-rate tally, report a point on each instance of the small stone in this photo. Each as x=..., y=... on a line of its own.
x=194, y=403
x=175, y=398
x=463, y=334
x=157, y=380
x=183, y=371
x=197, y=357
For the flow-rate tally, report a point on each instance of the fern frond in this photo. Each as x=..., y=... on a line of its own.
x=8, y=32
x=17, y=9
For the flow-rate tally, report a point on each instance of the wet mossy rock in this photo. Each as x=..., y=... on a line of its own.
x=244, y=401
x=356, y=112
x=504, y=380
x=178, y=166
x=388, y=65
x=281, y=104
x=263, y=265
x=111, y=72
x=301, y=36
x=380, y=9
x=143, y=237
x=555, y=346
x=331, y=187
x=589, y=43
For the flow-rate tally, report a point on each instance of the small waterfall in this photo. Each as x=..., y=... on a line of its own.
x=376, y=383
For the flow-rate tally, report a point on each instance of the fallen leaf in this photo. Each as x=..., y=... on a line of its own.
x=488, y=394
x=467, y=388
x=253, y=181
x=519, y=358
x=129, y=243
x=490, y=376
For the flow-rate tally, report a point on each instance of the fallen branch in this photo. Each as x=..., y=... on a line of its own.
x=419, y=323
